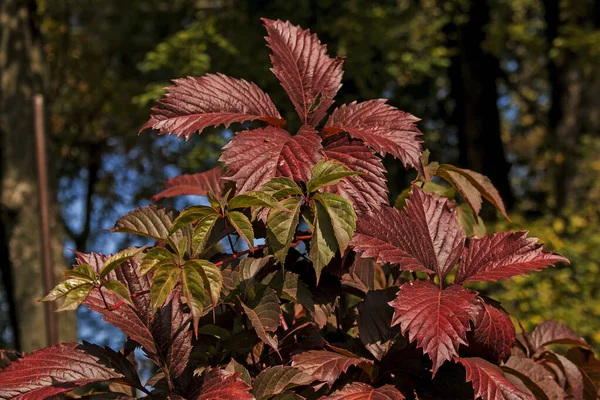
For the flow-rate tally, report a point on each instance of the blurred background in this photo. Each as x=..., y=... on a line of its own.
x=509, y=88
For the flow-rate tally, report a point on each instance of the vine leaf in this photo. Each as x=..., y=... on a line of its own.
x=424, y=236
x=58, y=369
x=119, y=290
x=193, y=290
x=493, y=334
x=242, y=226
x=194, y=185
x=535, y=377
x=193, y=104
x=472, y=185
x=326, y=173
x=502, y=256
x=277, y=379
x=437, y=319
x=150, y=221
x=327, y=366
x=368, y=191
x=265, y=317
x=324, y=243
x=489, y=382
x=300, y=62
x=255, y=156
x=382, y=127
x=362, y=391
x=115, y=260
x=374, y=322
x=220, y=384
x=163, y=282
x=282, y=226
x=553, y=332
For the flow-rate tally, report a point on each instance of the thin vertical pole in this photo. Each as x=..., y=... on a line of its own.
x=46, y=249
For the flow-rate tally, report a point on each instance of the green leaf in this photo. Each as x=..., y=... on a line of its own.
x=326, y=173
x=342, y=215
x=63, y=288
x=214, y=201
x=115, y=260
x=119, y=289
x=163, y=282
x=150, y=221
x=84, y=272
x=323, y=244
x=76, y=296
x=193, y=290
x=202, y=233
x=211, y=276
x=214, y=330
x=154, y=258
x=282, y=226
x=253, y=199
x=191, y=214
x=242, y=226
x=402, y=197
x=234, y=367
x=281, y=187
x=472, y=225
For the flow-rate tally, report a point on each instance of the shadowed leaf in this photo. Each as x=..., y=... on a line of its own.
x=489, y=382
x=194, y=185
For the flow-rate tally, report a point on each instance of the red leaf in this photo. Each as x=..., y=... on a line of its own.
x=220, y=384
x=366, y=192
x=362, y=391
x=551, y=332
x=502, y=256
x=493, y=334
x=54, y=370
x=193, y=104
x=380, y=126
x=437, y=319
x=327, y=366
x=195, y=185
x=255, y=156
x=310, y=77
x=424, y=236
x=489, y=382
x=535, y=377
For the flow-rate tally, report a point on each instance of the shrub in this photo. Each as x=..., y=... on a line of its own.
x=346, y=297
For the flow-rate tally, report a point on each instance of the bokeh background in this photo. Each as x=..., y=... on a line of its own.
x=509, y=88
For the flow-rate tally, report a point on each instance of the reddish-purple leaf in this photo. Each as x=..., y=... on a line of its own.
x=380, y=126
x=493, y=334
x=54, y=370
x=327, y=366
x=195, y=185
x=437, y=319
x=255, y=156
x=274, y=380
x=171, y=330
x=502, y=256
x=489, y=382
x=572, y=374
x=362, y=391
x=193, y=104
x=310, y=77
x=366, y=192
x=424, y=236
x=476, y=181
x=551, y=332
x=374, y=322
x=220, y=384
x=535, y=376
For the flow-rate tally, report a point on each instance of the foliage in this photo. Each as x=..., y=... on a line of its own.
x=348, y=297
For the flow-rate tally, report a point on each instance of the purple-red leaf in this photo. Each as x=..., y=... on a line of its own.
x=327, y=366
x=309, y=76
x=551, y=332
x=424, y=236
x=502, y=256
x=193, y=104
x=535, y=377
x=380, y=126
x=54, y=370
x=255, y=156
x=437, y=319
x=362, y=391
x=368, y=191
x=220, y=384
x=493, y=334
x=194, y=185
x=489, y=382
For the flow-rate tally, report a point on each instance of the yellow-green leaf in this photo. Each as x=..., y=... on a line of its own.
x=84, y=272
x=193, y=290
x=163, y=282
x=191, y=214
x=63, y=288
x=75, y=297
x=242, y=226
x=202, y=233
x=282, y=226
x=115, y=260
x=154, y=258
x=119, y=289
x=342, y=215
x=323, y=244
x=326, y=173
x=211, y=276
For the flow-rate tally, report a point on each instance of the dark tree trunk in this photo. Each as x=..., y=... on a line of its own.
x=21, y=76
x=473, y=89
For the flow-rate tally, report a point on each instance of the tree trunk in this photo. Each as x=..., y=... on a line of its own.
x=473, y=75
x=21, y=76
